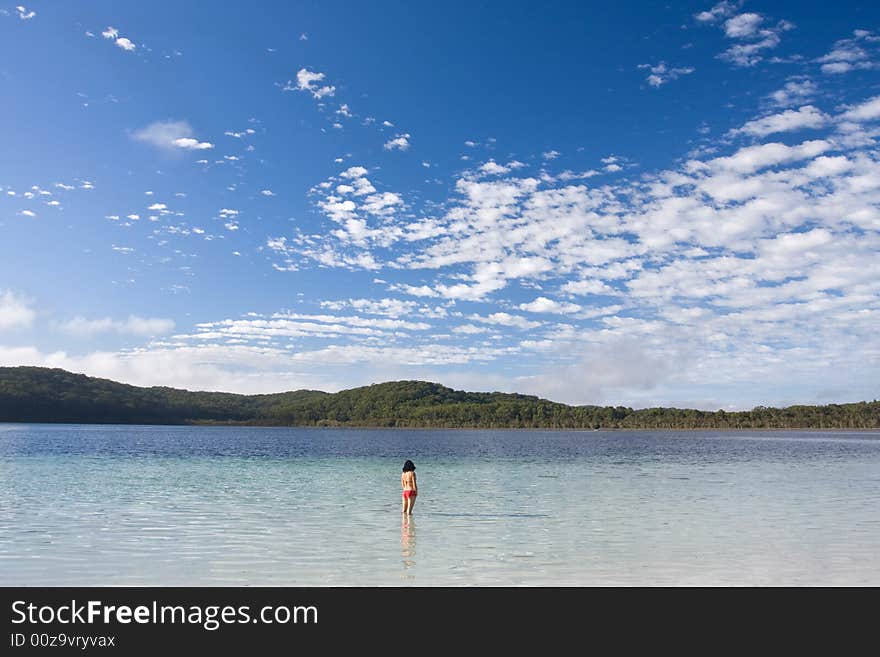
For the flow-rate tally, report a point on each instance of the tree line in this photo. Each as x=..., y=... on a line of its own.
x=35, y=394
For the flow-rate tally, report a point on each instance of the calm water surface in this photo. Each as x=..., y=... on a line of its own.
x=136, y=505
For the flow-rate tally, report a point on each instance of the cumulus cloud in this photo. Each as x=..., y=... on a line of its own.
x=133, y=325
x=492, y=168
x=505, y=319
x=16, y=311
x=399, y=143
x=125, y=44
x=718, y=11
x=660, y=74
x=310, y=81
x=868, y=110
x=170, y=135
x=743, y=25
x=734, y=260
x=807, y=117
x=852, y=54
x=750, y=30
x=728, y=259
x=112, y=34
x=794, y=92
x=545, y=305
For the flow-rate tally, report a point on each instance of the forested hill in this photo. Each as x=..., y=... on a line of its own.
x=35, y=394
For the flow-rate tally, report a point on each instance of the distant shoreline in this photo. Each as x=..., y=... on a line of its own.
x=377, y=428
x=56, y=396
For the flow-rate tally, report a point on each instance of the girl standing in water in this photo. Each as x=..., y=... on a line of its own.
x=410, y=488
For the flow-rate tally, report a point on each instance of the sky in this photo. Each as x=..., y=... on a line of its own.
x=620, y=203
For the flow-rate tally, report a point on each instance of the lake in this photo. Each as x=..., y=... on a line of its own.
x=159, y=505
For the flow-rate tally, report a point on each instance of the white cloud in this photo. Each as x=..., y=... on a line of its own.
x=662, y=73
x=807, y=117
x=794, y=92
x=750, y=54
x=112, y=34
x=354, y=172
x=255, y=368
x=545, y=305
x=170, y=135
x=470, y=329
x=27, y=213
x=753, y=158
x=492, y=168
x=386, y=306
x=746, y=28
x=732, y=261
x=863, y=112
x=24, y=14
x=415, y=290
x=267, y=192
x=851, y=54
x=550, y=155
x=125, y=44
x=743, y=25
x=586, y=286
x=400, y=143
x=717, y=12
x=16, y=312
x=505, y=319
x=309, y=81
x=133, y=325
x=190, y=144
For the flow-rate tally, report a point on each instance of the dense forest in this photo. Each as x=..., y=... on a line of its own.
x=35, y=394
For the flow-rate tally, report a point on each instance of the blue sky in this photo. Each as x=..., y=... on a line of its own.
x=621, y=204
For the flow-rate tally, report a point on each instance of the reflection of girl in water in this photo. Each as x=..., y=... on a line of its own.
x=410, y=488
x=408, y=541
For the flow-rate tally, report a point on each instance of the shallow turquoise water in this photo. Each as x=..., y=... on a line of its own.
x=111, y=505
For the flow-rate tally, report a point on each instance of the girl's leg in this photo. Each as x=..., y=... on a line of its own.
x=412, y=502
x=405, y=502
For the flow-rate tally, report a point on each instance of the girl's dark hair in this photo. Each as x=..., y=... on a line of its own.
x=408, y=466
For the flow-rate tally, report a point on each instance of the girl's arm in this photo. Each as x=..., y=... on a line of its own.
x=415, y=485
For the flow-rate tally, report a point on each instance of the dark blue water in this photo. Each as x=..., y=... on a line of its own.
x=284, y=443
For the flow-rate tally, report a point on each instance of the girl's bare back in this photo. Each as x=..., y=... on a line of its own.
x=410, y=490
